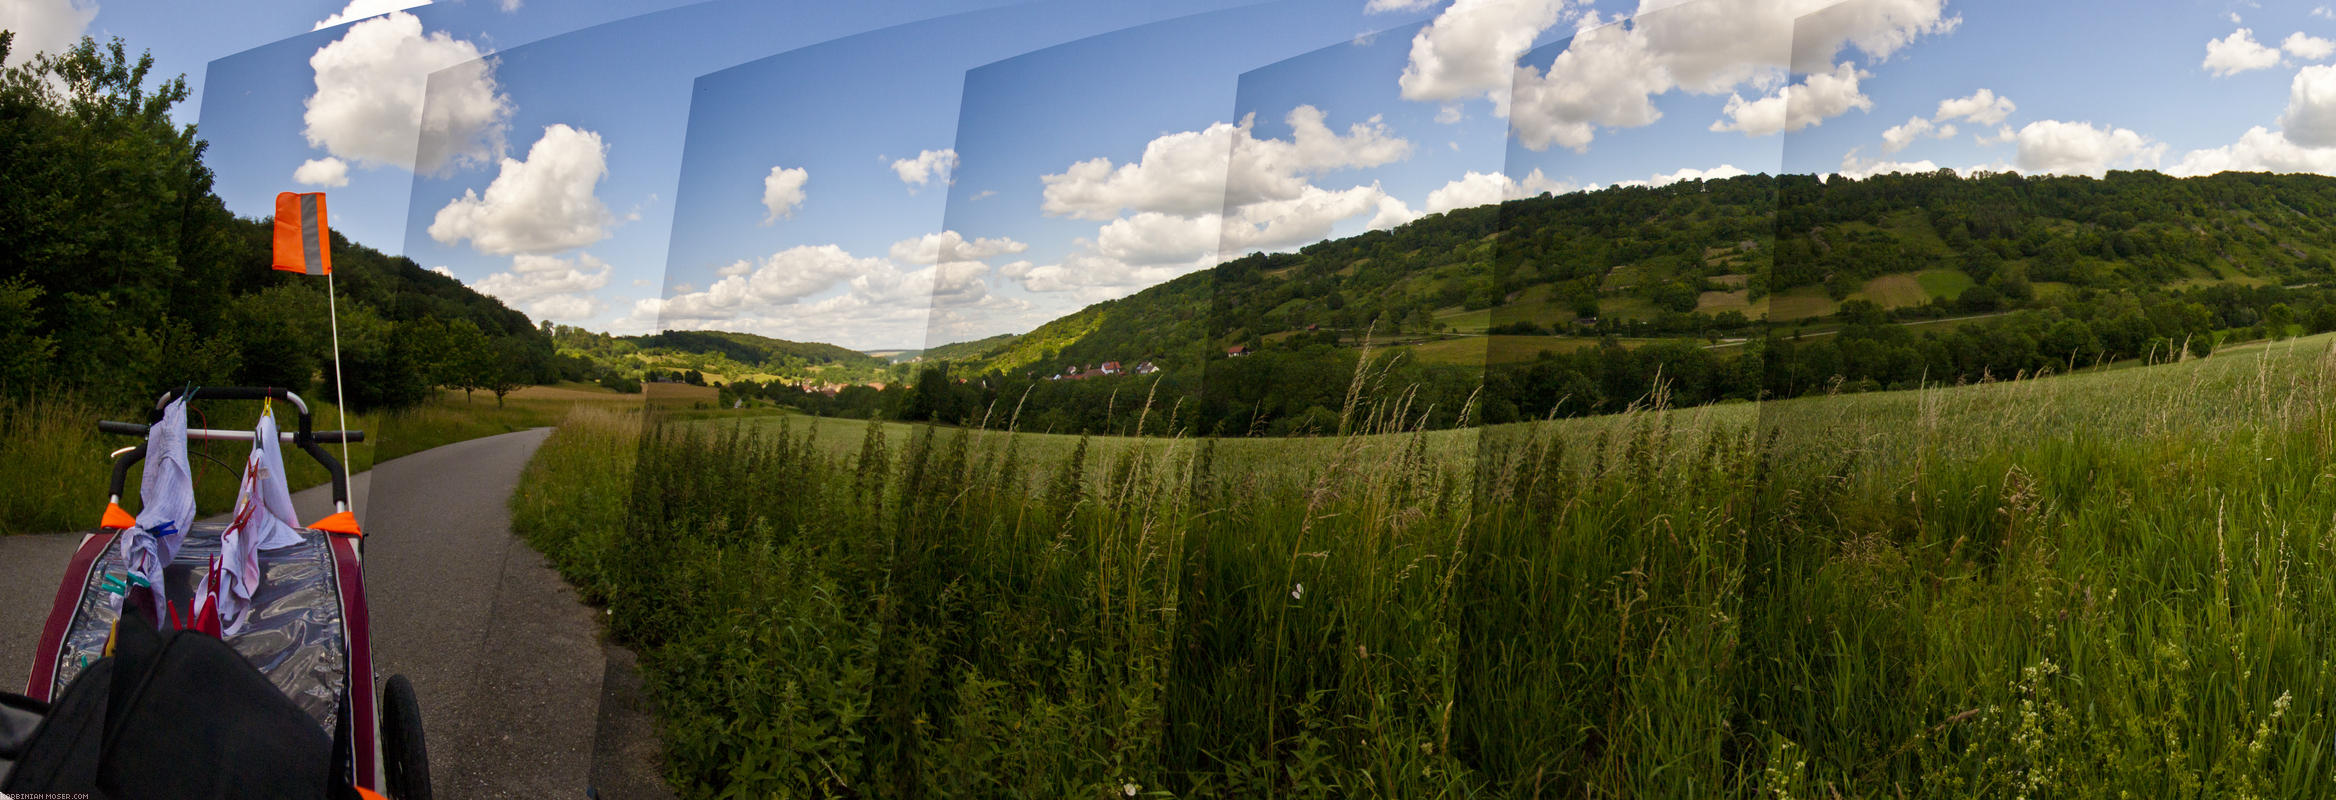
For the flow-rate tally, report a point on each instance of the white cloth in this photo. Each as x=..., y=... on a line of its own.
x=166, y=496
x=263, y=520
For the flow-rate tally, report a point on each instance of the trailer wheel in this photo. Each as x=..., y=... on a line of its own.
x=407, y=759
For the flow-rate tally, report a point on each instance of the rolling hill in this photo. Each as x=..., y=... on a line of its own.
x=1707, y=260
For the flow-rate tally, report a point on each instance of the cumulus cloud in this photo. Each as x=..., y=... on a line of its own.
x=543, y=204
x=946, y=246
x=1817, y=98
x=1287, y=222
x=44, y=26
x=1471, y=48
x=376, y=103
x=2079, y=148
x=1898, y=137
x=2259, y=150
x=782, y=192
x=550, y=287
x=2308, y=48
x=1721, y=172
x=1982, y=107
x=361, y=9
x=1196, y=172
x=327, y=171
x=2311, y=108
x=1856, y=168
x=2238, y=52
x=1194, y=194
x=928, y=166
x=1609, y=75
x=1478, y=189
x=2324, y=12
x=880, y=300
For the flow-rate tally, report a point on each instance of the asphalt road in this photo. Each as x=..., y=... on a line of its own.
x=520, y=698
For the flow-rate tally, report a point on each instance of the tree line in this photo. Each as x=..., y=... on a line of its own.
x=122, y=273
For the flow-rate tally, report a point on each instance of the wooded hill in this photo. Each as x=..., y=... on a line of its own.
x=1704, y=258
x=122, y=273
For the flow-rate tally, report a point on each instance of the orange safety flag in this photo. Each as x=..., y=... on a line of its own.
x=302, y=243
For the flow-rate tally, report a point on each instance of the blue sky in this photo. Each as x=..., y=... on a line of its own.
x=835, y=168
x=873, y=99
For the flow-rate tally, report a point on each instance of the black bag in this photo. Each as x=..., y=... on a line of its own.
x=173, y=715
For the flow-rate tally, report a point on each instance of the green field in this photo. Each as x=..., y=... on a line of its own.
x=1914, y=288
x=2098, y=584
x=1807, y=302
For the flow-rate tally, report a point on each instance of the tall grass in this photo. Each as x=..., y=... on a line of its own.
x=56, y=466
x=2103, y=585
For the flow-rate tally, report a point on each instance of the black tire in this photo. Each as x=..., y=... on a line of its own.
x=406, y=760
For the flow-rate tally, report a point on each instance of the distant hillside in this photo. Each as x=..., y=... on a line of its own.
x=749, y=349
x=970, y=351
x=1706, y=260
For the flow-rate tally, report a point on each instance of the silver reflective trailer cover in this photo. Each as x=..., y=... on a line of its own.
x=295, y=634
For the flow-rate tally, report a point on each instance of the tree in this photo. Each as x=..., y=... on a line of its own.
x=508, y=363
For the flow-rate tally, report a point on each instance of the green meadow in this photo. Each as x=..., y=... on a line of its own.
x=2103, y=584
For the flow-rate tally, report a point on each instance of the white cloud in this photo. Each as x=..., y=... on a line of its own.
x=371, y=85
x=782, y=192
x=327, y=171
x=1721, y=172
x=549, y=287
x=1609, y=75
x=2308, y=48
x=44, y=26
x=1478, y=188
x=2003, y=133
x=2324, y=12
x=1195, y=193
x=2311, y=108
x=2238, y=52
x=1188, y=172
x=1271, y=225
x=2079, y=148
x=935, y=248
x=928, y=166
x=1472, y=47
x=1982, y=107
x=880, y=302
x=1857, y=168
x=1817, y=98
x=361, y=9
x=2259, y=150
x=544, y=204
x=1898, y=137
x=1384, y=6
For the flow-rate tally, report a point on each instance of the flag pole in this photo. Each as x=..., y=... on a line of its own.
x=340, y=396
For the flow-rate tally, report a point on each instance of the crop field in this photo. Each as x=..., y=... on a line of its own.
x=2099, y=584
x=1914, y=288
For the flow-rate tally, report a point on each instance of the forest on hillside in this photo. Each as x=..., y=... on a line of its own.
x=1744, y=288
x=122, y=273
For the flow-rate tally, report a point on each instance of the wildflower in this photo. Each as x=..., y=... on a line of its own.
x=1298, y=593
x=1129, y=789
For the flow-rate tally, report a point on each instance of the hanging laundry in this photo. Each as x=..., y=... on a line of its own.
x=263, y=520
x=167, y=496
